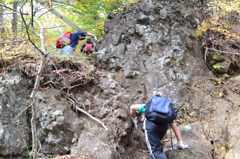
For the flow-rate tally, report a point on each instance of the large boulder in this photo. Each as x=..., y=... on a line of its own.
x=14, y=124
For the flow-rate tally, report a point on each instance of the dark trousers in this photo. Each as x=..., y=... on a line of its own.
x=154, y=133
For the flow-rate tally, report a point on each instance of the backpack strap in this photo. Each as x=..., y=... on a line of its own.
x=68, y=34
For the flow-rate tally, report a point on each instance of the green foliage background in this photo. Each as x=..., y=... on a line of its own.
x=89, y=15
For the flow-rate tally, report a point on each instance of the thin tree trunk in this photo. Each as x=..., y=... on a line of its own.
x=36, y=84
x=15, y=18
x=34, y=129
x=215, y=7
x=64, y=19
x=34, y=112
x=49, y=7
x=35, y=89
x=2, y=30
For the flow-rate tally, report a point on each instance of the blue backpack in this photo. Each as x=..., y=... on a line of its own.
x=160, y=110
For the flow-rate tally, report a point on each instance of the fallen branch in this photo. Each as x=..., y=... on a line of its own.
x=205, y=54
x=205, y=59
x=21, y=112
x=86, y=113
x=13, y=41
x=73, y=99
x=55, y=27
x=49, y=82
x=213, y=49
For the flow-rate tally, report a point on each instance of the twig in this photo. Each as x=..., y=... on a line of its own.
x=9, y=13
x=13, y=46
x=85, y=82
x=205, y=59
x=22, y=112
x=12, y=9
x=49, y=82
x=77, y=102
x=213, y=49
x=13, y=41
x=55, y=27
x=28, y=34
x=205, y=54
x=36, y=84
x=86, y=113
x=56, y=68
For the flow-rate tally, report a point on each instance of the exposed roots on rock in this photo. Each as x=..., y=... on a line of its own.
x=84, y=112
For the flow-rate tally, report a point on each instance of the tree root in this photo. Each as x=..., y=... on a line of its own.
x=86, y=113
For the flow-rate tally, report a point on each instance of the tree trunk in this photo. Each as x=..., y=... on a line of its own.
x=15, y=18
x=2, y=30
x=34, y=112
x=64, y=19
x=215, y=7
x=49, y=7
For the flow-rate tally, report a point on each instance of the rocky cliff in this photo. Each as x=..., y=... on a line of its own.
x=149, y=46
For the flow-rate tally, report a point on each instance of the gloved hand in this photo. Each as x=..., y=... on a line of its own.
x=135, y=122
x=94, y=38
x=180, y=145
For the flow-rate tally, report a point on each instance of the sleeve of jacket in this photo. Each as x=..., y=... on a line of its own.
x=83, y=46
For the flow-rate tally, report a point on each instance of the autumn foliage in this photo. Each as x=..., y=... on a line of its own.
x=222, y=17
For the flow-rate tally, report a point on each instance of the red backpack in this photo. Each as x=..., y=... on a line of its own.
x=63, y=40
x=89, y=48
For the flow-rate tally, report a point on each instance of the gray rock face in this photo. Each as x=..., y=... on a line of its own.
x=89, y=143
x=14, y=130
x=154, y=45
x=198, y=145
x=56, y=123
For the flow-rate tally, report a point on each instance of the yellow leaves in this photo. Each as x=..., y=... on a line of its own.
x=228, y=26
x=222, y=20
x=110, y=1
x=100, y=25
x=202, y=28
x=235, y=36
x=229, y=6
x=226, y=6
x=198, y=32
x=10, y=51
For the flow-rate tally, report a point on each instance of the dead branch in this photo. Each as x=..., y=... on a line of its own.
x=36, y=84
x=49, y=82
x=27, y=31
x=12, y=47
x=21, y=112
x=55, y=27
x=9, y=13
x=13, y=41
x=76, y=86
x=77, y=101
x=86, y=113
x=48, y=6
x=213, y=49
x=205, y=59
x=12, y=9
x=205, y=54
x=42, y=37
